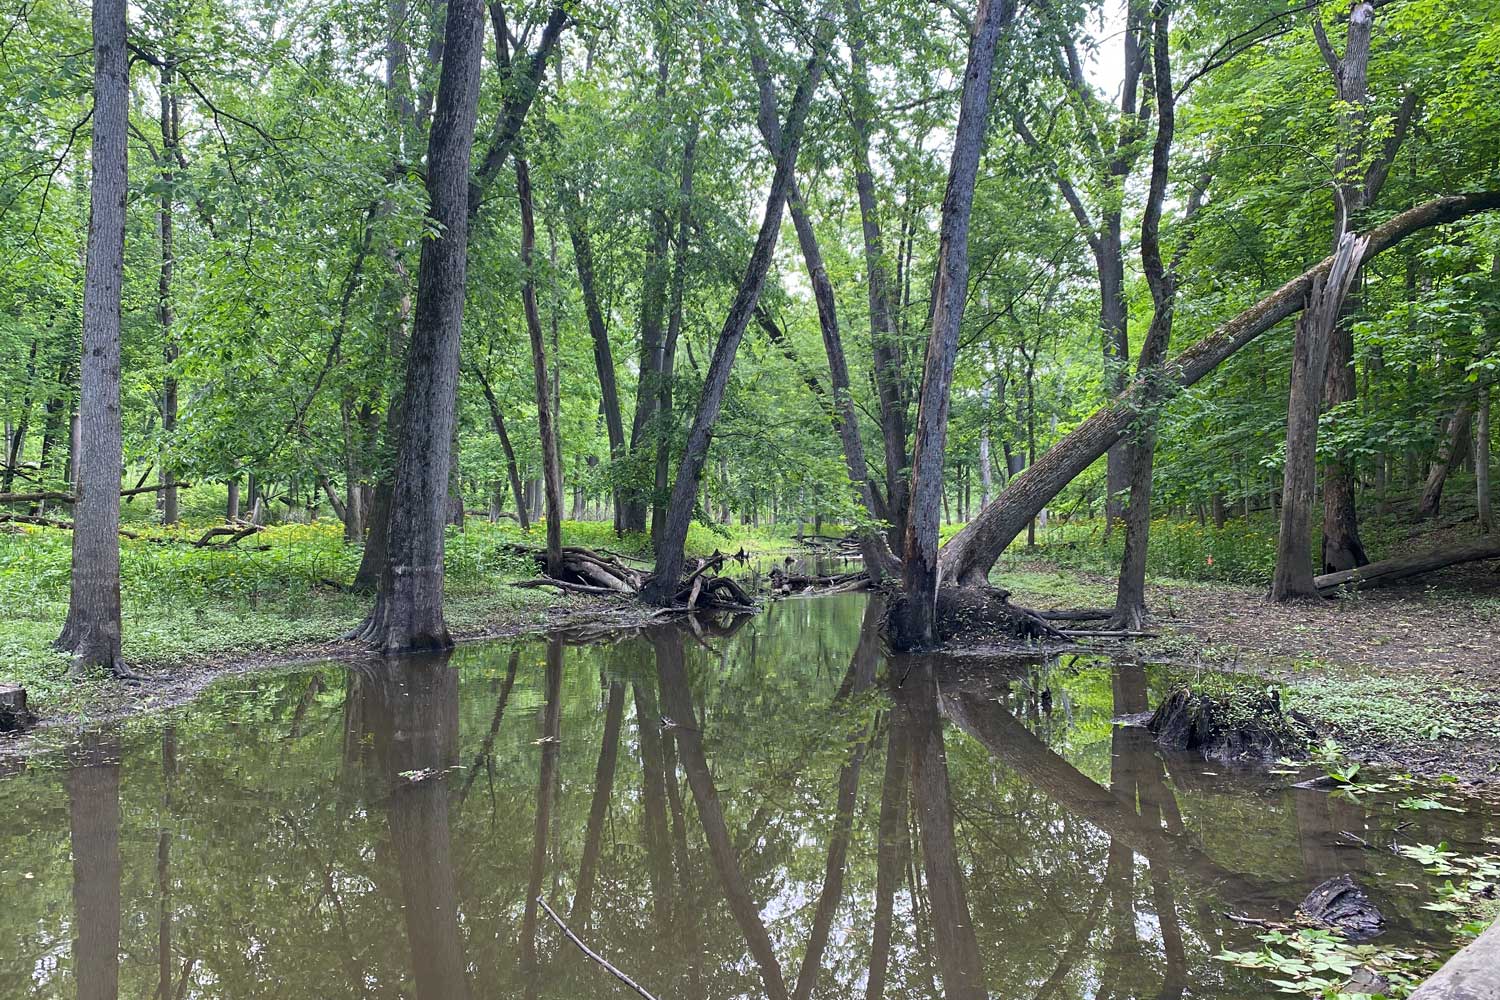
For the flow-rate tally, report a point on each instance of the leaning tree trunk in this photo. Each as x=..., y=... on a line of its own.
x=551, y=465
x=669, y=546
x=919, y=562
x=1450, y=452
x=408, y=612
x=92, y=630
x=1293, y=578
x=968, y=556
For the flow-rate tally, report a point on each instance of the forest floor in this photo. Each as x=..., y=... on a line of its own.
x=1403, y=676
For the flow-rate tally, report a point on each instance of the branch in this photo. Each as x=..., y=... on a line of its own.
x=591, y=953
x=1381, y=168
x=1335, y=64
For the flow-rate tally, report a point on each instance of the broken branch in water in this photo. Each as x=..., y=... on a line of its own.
x=591, y=953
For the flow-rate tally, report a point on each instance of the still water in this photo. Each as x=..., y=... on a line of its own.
x=773, y=810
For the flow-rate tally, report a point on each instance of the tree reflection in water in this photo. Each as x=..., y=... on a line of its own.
x=722, y=809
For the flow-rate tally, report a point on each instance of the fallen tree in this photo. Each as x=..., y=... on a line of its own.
x=1378, y=574
x=969, y=555
x=585, y=571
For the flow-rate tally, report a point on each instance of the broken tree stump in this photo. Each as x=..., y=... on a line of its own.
x=15, y=714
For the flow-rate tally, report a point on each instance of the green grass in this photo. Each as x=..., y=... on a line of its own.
x=1394, y=709
x=183, y=604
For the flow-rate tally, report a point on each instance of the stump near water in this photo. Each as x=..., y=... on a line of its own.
x=969, y=616
x=1239, y=725
x=15, y=715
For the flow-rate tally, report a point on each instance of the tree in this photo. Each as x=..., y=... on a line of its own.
x=919, y=565
x=92, y=630
x=408, y=612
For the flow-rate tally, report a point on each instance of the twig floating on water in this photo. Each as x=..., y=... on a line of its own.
x=591, y=953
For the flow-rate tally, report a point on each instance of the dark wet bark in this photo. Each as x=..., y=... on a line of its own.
x=919, y=559
x=662, y=589
x=93, y=783
x=551, y=463
x=668, y=366
x=969, y=555
x=91, y=632
x=408, y=613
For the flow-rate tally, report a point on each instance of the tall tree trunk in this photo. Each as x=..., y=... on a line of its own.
x=551, y=465
x=669, y=545
x=92, y=630
x=408, y=613
x=1450, y=452
x=631, y=514
x=1293, y=578
x=846, y=422
x=1482, y=459
x=170, y=127
x=968, y=556
x=920, y=556
x=604, y=359
x=883, y=332
x=668, y=366
x=1130, y=593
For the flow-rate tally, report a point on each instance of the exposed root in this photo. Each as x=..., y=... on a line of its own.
x=970, y=616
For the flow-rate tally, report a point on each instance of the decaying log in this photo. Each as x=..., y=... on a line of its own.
x=585, y=571
x=1386, y=571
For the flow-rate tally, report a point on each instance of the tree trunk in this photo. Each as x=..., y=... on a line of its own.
x=169, y=134
x=968, y=556
x=1293, y=578
x=16, y=437
x=551, y=465
x=1482, y=459
x=1450, y=452
x=919, y=563
x=883, y=333
x=1390, y=570
x=408, y=613
x=92, y=630
x=512, y=471
x=668, y=366
x=604, y=359
x=669, y=555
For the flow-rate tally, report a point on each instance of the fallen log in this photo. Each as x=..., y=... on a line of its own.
x=68, y=498
x=1386, y=571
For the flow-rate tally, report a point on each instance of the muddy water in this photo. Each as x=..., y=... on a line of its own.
x=721, y=812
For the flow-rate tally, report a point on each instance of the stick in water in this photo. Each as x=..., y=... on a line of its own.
x=591, y=953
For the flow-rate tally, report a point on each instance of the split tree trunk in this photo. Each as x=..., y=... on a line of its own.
x=408, y=613
x=92, y=630
x=1293, y=577
x=920, y=575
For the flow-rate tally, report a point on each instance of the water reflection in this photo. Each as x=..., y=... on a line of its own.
x=743, y=808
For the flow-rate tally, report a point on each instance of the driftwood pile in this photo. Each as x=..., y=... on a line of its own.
x=843, y=546
x=586, y=571
x=784, y=584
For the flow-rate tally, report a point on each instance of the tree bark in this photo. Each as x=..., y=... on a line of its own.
x=920, y=570
x=551, y=464
x=92, y=630
x=968, y=556
x=16, y=440
x=512, y=471
x=1293, y=577
x=669, y=545
x=408, y=613
x=1385, y=571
